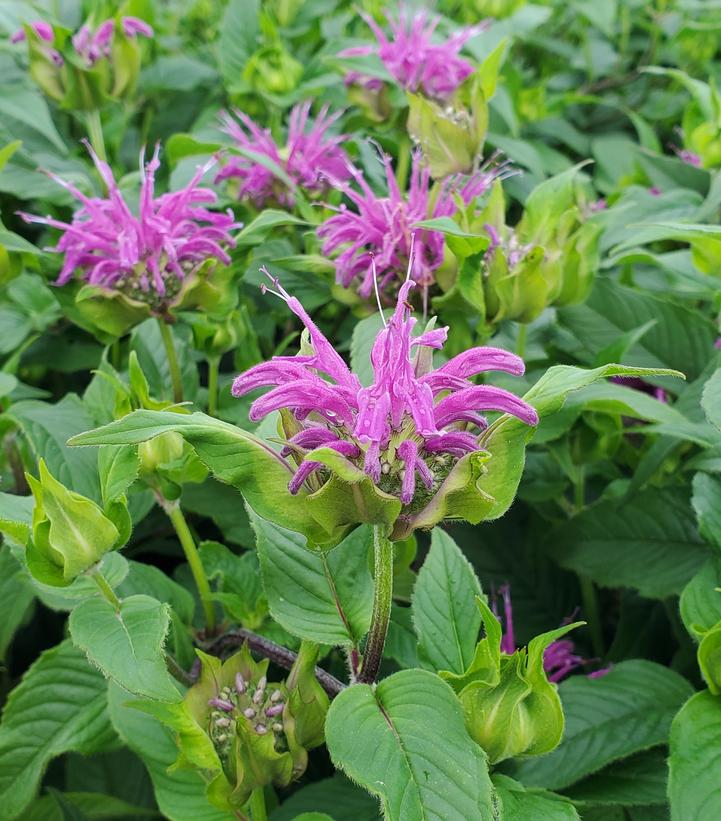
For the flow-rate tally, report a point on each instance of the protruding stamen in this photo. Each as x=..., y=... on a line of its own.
x=375, y=288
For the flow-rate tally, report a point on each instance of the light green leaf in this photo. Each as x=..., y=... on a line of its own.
x=257, y=231
x=445, y=615
x=180, y=793
x=711, y=399
x=22, y=103
x=324, y=598
x=16, y=516
x=701, y=600
x=520, y=804
x=93, y=806
x=405, y=741
x=60, y=705
x=649, y=543
x=627, y=710
x=694, y=787
x=127, y=645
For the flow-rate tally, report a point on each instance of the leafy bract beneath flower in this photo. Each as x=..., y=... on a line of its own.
x=147, y=255
x=311, y=158
x=407, y=431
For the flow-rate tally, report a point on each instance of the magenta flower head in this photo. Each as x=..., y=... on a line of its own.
x=311, y=157
x=384, y=226
x=150, y=255
x=407, y=431
x=411, y=56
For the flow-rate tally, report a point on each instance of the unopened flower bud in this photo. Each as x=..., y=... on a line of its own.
x=276, y=696
x=275, y=710
x=240, y=684
x=221, y=704
x=249, y=712
x=261, y=729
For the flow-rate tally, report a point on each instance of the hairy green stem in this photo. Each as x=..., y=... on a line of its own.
x=382, y=599
x=172, y=356
x=213, y=368
x=105, y=588
x=175, y=514
x=95, y=133
x=592, y=612
x=257, y=805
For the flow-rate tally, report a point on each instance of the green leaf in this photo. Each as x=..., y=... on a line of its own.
x=320, y=597
x=639, y=780
x=681, y=338
x=649, y=543
x=258, y=230
x=711, y=399
x=627, y=710
x=16, y=516
x=24, y=104
x=255, y=469
x=445, y=615
x=336, y=795
x=16, y=597
x=93, y=806
x=47, y=428
x=706, y=494
x=701, y=600
x=60, y=705
x=405, y=741
x=694, y=787
x=180, y=793
x=127, y=645
x=239, y=32
x=520, y=804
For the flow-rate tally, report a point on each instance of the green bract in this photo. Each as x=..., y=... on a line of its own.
x=242, y=731
x=510, y=707
x=70, y=533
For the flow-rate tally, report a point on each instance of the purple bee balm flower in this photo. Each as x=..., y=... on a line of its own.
x=559, y=658
x=147, y=254
x=43, y=30
x=398, y=429
x=311, y=157
x=413, y=59
x=133, y=26
x=380, y=230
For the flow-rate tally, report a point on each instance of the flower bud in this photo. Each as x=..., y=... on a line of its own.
x=271, y=70
x=510, y=706
x=70, y=533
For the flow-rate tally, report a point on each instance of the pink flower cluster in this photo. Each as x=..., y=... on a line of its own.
x=170, y=236
x=412, y=58
x=311, y=157
x=380, y=231
x=90, y=45
x=411, y=423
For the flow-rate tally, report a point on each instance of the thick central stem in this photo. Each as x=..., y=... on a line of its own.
x=175, y=514
x=382, y=599
x=213, y=367
x=175, y=376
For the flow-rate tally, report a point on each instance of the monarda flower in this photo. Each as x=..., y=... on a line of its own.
x=559, y=657
x=380, y=231
x=150, y=255
x=311, y=157
x=408, y=431
x=84, y=70
x=413, y=59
